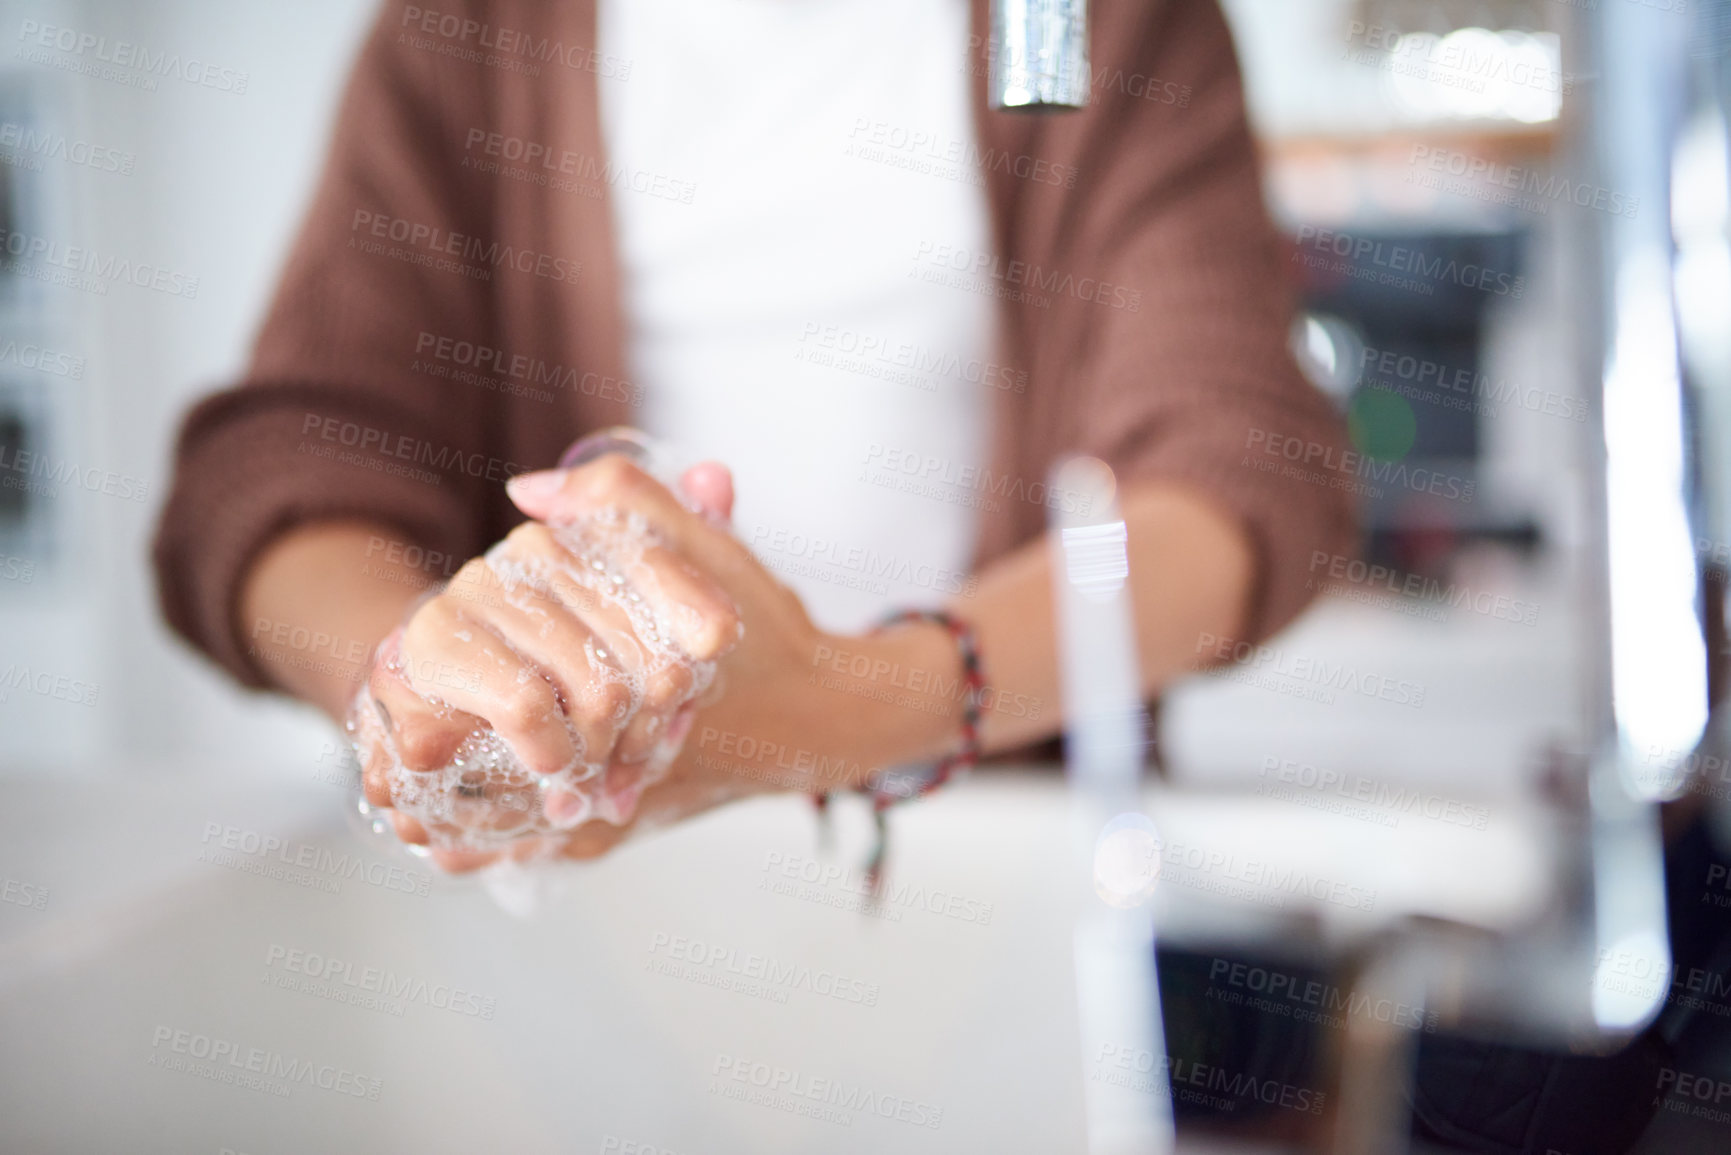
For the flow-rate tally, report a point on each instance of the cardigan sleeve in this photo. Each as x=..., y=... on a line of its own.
x=1176, y=365
x=334, y=418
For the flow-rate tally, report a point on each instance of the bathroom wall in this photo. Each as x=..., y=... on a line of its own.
x=213, y=187
x=210, y=183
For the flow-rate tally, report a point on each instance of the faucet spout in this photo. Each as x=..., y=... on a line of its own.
x=1039, y=55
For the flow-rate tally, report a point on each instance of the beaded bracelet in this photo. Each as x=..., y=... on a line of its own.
x=964, y=757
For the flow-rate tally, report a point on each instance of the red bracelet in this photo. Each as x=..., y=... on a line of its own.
x=965, y=756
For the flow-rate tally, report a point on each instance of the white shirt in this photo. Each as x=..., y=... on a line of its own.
x=807, y=150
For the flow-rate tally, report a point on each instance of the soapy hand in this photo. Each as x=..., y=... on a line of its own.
x=786, y=721
x=555, y=678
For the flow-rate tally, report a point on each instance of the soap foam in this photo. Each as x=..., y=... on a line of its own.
x=485, y=798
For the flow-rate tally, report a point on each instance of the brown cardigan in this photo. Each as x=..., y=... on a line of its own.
x=348, y=408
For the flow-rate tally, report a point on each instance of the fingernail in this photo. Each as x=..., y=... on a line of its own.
x=680, y=726
x=563, y=809
x=625, y=802
x=535, y=487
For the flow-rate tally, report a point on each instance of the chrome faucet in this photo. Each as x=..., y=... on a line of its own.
x=1039, y=55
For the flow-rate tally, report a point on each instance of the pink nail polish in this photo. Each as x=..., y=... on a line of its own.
x=625, y=802
x=680, y=726
x=564, y=810
x=535, y=487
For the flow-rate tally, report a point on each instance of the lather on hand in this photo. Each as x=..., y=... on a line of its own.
x=583, y=647
x=538, y=689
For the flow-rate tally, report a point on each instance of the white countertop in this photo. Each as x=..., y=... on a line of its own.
x=590, y=1029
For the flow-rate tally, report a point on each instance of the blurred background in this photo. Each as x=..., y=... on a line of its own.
x=207, y=183
x=211, y=184
x=1475, y=392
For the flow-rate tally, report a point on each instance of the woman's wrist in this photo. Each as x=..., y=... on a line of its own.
x=897, y=694
x=316, y=603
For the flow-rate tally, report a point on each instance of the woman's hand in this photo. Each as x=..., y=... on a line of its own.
x=582, y=646
x=801, y=710
x=788, y=708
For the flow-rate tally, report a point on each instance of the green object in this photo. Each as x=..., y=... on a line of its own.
x=1382, y=425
